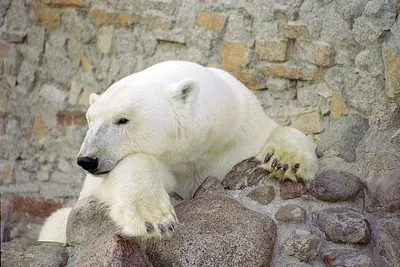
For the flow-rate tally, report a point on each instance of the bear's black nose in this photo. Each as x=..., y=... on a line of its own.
x=88, y=164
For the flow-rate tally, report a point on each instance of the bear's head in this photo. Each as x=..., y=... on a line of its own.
x=133, y=117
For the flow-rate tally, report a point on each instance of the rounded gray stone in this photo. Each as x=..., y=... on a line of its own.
x=365, y=32
x=332, y=185
x=263, y=195
x=301, y=244
x=341, y=225
x=290, y=190
x=290, y=213
x=216, y=231
x=343, y=136
x=346, y=257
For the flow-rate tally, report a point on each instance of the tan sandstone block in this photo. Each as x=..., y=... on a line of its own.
x=87, y=67
x=101, y=17
x=4, y=99
x=317, y=53
x=293, y=72
x=125, y=19
x=248, y=77
x=275, y=50
x=234, y=55
x=324, y=55
x=3, y=51
x=40, y=128
x=338, y=107
x=211, y=20
x=104, y=39
x=293, y=30
x=11, y=79
x=6, y=170
x=323, y=90
x=392, y=65
x=46, y=15
x=308, y=123
x=71, y=117
x=77, y=3
x=83, y=99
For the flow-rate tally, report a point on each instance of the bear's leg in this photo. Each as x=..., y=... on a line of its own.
x=54, y=228
x=136, y=193
x=289, y=154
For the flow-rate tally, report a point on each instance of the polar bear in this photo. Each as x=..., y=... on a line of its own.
x=168, y=127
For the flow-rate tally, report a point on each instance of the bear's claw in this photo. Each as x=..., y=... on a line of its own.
x=171, y=226
x=267, y=157
x=289, y=154
x=147, y=218
x=149, y=226
x=162, y=228
x=278, y=164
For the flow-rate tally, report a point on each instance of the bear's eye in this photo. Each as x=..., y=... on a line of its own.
x=122, y=121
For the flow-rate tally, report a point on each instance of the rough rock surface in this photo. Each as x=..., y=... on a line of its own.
x=343, y=136
x=88, y=221
x=116, y=251
x=342, y=225
x=383, y=183
x=387, y=235
x=289, y=190
x=301, y=244
x=246, y=173
x=332, y=185
x=210, y=186
x=263, y=195
x=33, y=254
x=346, y=257
x=211, y=228
x=290, y=213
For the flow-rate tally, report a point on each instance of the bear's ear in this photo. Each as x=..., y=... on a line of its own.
x=184, y=91
x=92, y=98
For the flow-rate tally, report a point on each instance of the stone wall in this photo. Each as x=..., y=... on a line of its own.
x=310, y=62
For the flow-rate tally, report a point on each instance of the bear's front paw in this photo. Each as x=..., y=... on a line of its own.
x=146, y=218
x=289, y=154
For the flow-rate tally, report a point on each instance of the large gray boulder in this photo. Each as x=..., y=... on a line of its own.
x=33, y=254
x=213, y=230
x=216, y=231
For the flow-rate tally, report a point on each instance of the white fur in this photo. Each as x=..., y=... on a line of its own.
x=136, y=192
x=185, y=122
x=54, y=228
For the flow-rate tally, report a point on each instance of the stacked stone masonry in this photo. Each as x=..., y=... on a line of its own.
x=329, y=68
